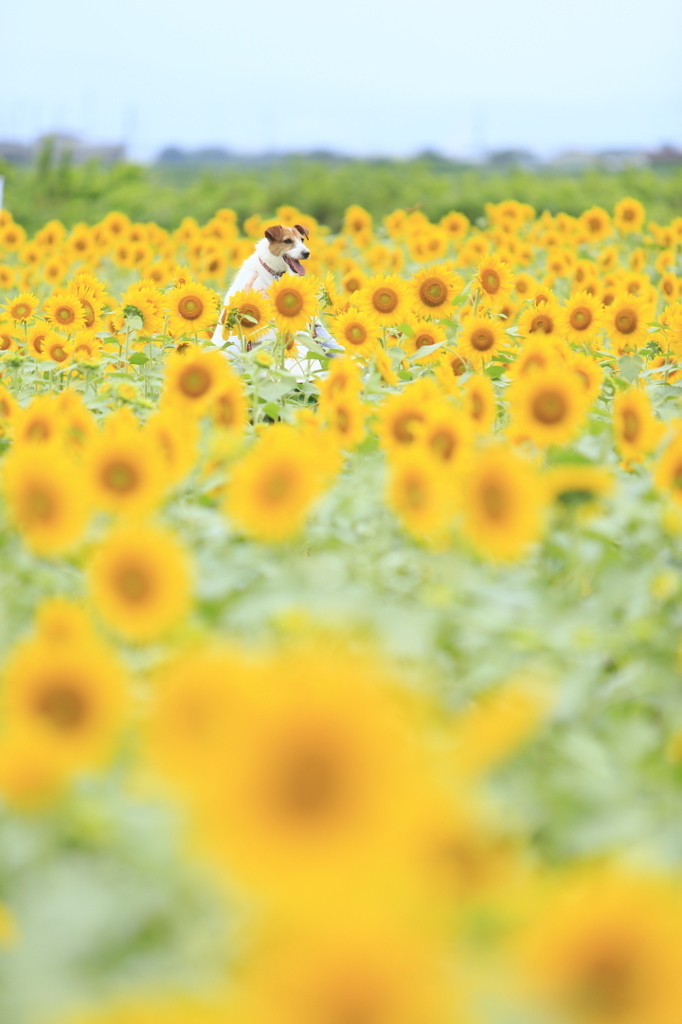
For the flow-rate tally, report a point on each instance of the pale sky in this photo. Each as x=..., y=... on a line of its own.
x=360, y=77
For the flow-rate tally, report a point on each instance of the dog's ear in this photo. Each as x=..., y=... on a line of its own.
x=301, y=230
x=274, y=233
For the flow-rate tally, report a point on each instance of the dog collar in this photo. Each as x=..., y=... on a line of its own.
x=270, y=270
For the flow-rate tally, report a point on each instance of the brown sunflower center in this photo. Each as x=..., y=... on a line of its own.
x=457, y=365
x=490, y=281
x=121, y=477
x=38, y=430
x=195, y=381
x=40, y=505
x=433, y=292
x=65, y=314
x=385, y=300
x=631, y=426
x=225, y=411
x=249, y=315
x=63, y=705
x=424, y=339
x=309, y=784
x=356, y=334
x=626, y=321
x=443, y=444
x=89, y=313
x=190, y=307
x=342, y=421
x=21, y=311
x=402, y=427
x=581, y=318
x=277, y=486
x=133, y=584
x=289, y=302
x=549, y=407
x=482, y=339
x=607, y=982
x=58, y=353
x=542, y=322
x=414, y=493
x=493, y=500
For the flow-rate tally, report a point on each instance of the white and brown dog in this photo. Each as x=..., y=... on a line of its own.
x=279, y=252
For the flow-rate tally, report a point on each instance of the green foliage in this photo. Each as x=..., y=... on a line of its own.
x=323, y=187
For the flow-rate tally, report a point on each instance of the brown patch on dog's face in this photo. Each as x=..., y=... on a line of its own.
x=289, y=244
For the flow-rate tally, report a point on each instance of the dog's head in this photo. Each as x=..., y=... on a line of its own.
x=289, y=244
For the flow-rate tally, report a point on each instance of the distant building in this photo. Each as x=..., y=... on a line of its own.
x=665, y=156
x=621, y=159
x=508, y=159
x=207, y=155
x=60, y=145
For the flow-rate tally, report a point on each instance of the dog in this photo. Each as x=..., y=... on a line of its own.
x=280, y=251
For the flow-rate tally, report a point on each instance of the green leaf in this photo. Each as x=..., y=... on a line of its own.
x=272, y=410
x=425, y=351
x=406, y=330
x=138, y=359
x=405, y=375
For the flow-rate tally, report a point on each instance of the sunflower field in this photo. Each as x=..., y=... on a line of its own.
x=341, y=682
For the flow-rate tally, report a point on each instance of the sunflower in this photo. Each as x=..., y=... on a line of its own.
x=93, y=306
x=384, y=365
x=143, y=300
x=502, y=503
x=343, y=377
x=176, y=440
x=22, y=308
x=294, y=301
x=37, y=422
x=596, y=224
x=345, y=416
x=637, y=431
x=60, y=621
x=606, y=940
x=192, y=307
x=495, y=281
x=480, y=339
x=547, y=406
x=447, y=434
x=581, y=318
x=252, y=311
x=7, y=277
x=425, y=334
x=193, y=379
x=540, y=320
x=386, y=298
x=57, y=348
x=629, y=215
x=401, y=415
x=229, y=409
x=139, y=579
x=318, y=781
x=353, y=280
x=456, y=224
x=54, y=270
x=480, y=402
x=70, y=697
x=8, y=404
x=125, y=470
x=358, y=332
x=64, y=311
x=433, y=289
x=35, y=339
x=48, y=500
x=274, y=485
x=589, y=373
x=452, y=366
x=196, y=704
x=626, y=321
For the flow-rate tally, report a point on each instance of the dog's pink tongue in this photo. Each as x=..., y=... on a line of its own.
x=295, y=265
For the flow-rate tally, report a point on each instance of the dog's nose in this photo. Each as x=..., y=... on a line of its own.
x=305, y=254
